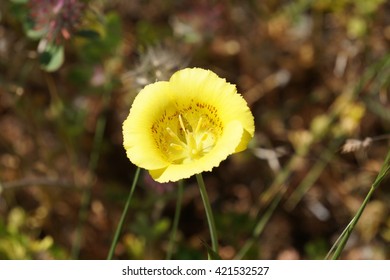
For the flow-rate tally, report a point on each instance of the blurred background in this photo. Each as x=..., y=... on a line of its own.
x=315, y=74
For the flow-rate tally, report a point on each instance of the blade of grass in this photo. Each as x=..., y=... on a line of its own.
x=342, y=240
x=123, y=216
x=278, y=186
x=176, y=219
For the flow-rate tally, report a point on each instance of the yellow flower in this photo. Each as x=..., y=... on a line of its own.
x=186, y=125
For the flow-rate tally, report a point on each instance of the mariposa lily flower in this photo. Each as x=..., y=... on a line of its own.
x=186, y=125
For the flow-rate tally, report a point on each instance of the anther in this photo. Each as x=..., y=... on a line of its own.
x=182, y=124
x=176, y=147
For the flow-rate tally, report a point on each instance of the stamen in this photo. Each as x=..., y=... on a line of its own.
x=174, y=136
x=198, y=125
x=182, y=124
x=191, y=141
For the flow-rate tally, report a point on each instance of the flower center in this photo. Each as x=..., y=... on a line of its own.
x=188, y=134
x=190, y=143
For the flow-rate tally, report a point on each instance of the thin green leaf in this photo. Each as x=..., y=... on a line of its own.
x=211, y=253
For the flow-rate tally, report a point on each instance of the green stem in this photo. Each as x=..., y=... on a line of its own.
x=176, y=219
x=122, y=219
x=337, y=242
x=209, y=213
x=342, y=240
x=351, y=226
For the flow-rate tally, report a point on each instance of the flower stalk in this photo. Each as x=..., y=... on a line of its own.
x=340, y=243
x=209, y=213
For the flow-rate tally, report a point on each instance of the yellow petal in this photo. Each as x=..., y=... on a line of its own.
x=137, y=139
x=207, y=87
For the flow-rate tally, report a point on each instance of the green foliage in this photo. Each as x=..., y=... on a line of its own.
x=16, y=243
x=52, y=57
x=143, y=226
x=88, y=34
x=97, y=45
x=48, y=119
x=51, y=43
x=51, y=54
x=31, y=32
x=150, y=33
